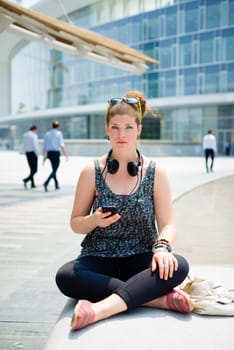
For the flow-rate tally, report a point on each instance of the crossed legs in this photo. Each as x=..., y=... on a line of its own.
x=102, y=292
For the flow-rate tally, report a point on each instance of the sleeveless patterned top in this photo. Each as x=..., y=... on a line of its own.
x=135, y=232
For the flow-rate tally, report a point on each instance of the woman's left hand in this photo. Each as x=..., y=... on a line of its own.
x=165, y=262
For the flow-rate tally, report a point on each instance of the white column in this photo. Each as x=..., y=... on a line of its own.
x=4, y=88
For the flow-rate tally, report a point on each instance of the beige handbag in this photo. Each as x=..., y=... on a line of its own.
x=208, y=298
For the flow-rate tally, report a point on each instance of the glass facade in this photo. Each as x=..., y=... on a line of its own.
x=193, y=40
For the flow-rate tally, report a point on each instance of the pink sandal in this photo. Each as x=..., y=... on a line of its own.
x=178, y=301
x=83, y=315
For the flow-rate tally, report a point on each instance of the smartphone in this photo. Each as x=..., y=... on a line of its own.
x=112, y=209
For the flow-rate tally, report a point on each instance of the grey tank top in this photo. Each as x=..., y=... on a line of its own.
x=135, y=232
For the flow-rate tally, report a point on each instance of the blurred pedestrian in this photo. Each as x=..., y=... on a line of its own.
x=227, y=147
x=210, y=148
x=53, y=146
x=30, y=141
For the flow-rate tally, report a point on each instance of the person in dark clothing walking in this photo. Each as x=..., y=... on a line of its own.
x=30, y=141
x=53, y=146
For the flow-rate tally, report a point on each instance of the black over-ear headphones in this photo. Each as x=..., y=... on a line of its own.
x=113, y=165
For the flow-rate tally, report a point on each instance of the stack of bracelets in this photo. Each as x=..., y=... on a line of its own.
x=162, y=243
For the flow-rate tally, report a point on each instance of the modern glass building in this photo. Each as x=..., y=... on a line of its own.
x=192, y=88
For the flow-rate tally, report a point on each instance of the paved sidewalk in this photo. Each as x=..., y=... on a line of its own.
x=35, y=237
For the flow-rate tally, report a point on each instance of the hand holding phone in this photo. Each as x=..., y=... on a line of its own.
x=111, y=209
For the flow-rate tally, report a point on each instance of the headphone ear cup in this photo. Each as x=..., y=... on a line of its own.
x=112, y=166
x=132, y=168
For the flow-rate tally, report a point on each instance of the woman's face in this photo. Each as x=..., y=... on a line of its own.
x=123, y=130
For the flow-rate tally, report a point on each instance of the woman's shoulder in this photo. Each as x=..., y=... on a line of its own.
x=90, y=166
x=87, y=169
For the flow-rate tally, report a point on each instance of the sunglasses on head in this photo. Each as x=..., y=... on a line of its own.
x=129, y=100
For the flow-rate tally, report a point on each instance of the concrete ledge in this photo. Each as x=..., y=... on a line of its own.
x=153, y=148
x=150, y=329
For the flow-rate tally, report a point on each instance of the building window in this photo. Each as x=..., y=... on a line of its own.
x=170, y=83
x=166, y=125
x=200, y=83
x=212, y=79
x=181, y=125
x=195, y=51
x=202, y=17
x=151, y=128
x=166, y=53
x=230, y=77
x=224, y=13
x=195, y=117
x=213, y=14
x=228, y=45
x=153, y=85
x=185, y=51
x=181, y=21
x=174, y=55
x=154, y=25
x=162, y=26
x=206, y=48
x=190, y=81
x=171, y=21
x=161, y=83
x=79, y=127
x=191, y=17
x=86, y=16
x=231, y=13
x=217, y=49
x=123, y=32
x=180, y=85
x=151, y=50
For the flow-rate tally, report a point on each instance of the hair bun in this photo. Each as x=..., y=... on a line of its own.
x=140, y=95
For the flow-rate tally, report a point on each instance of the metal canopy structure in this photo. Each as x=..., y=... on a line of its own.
x=73, y=40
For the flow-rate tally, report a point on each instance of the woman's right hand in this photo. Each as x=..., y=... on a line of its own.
x=105, y=219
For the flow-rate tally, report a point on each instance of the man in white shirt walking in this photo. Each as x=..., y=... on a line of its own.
x=30, y=141
x=210, y=148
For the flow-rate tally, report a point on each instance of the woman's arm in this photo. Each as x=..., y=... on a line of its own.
x=164, y=207
x=162, y=258
x=81, y=220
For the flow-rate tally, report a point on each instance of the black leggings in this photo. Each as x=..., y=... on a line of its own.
x=95, y=278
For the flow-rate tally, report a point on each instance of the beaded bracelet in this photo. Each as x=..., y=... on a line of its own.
x=167, y=247
x=162, y=243
x=161, y=240
x=158, y=246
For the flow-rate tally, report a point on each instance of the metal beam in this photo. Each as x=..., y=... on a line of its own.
x=71, y=39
